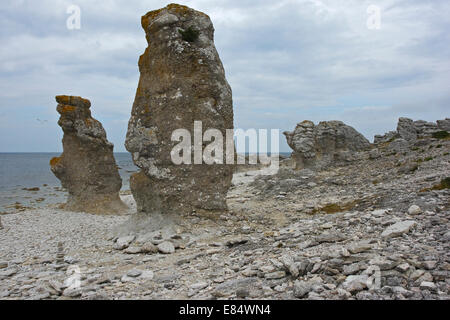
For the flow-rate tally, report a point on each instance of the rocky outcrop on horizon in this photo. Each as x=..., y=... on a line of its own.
x=182, y=80
x=410, y=131
x=330, y=142
x=86, y=168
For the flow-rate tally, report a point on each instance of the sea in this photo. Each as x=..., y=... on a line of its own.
x=27, y=182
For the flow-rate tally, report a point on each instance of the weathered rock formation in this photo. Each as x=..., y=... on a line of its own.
x=182, y=80
x=86, y=168
x=408, y=131
x=330, y=142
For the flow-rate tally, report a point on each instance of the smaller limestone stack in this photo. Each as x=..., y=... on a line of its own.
x=409, y=131
x=1, y=225
x=328, y=143
x=86, y=168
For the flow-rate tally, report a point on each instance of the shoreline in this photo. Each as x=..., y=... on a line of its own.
x=292, y=235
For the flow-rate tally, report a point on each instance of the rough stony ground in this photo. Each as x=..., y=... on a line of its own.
x=374, y=229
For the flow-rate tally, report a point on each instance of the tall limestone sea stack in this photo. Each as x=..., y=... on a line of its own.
x=182, y=80
x=86, y=168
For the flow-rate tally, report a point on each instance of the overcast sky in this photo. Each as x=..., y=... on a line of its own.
x=286, y=61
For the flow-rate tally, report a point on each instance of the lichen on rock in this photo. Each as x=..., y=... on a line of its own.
x=86, y=168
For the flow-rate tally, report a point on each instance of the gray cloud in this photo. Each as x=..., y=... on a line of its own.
x=286, y=61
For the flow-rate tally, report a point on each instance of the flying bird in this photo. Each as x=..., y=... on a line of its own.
x=41, y=121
